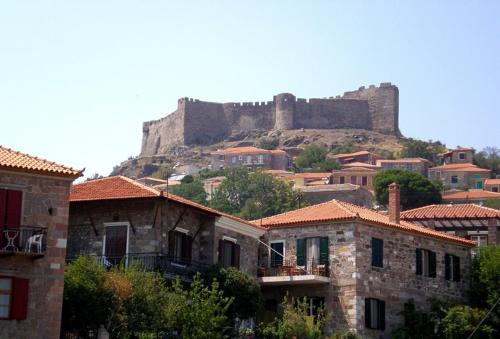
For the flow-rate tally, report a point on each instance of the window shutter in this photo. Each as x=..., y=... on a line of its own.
x=377, y=252
x=381, y=315
x=171, y=244
x=189, y=249
x=418, y=253
x=456, y=268
x=14, y=204
x=447, y=266
x=20, y=295
x=432, y=264
x=236, y=256
x=323, y=251
x=3, y=206
x=301, y=252
x=221, y=250
x=368, y=313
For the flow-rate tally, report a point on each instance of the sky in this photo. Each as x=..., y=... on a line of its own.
x=78, y=78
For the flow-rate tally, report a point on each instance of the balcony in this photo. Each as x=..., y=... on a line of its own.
x=25, y=240
x=289, y=273
x=169, y=267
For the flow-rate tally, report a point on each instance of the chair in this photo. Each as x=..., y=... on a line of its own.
x=34, y=240
x=10, y=236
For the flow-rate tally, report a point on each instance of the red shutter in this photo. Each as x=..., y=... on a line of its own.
x=20, y=294
x=14, y=204
x=3, y=207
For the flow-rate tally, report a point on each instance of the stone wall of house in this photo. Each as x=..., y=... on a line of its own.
x=45, y=274
x=464, y=179
x=397, y=283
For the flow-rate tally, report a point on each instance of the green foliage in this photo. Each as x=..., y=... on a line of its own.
x=242, y=288
x=422, y=149
x=94, y=177
x=253, y=195
x=162, y=172
x=492, y=203
x=489, y=158
x=207, y=174
x=418, y=325
x=269, y=143
x=193, y=191
x=460, y=321
x=314, y=158
x=485, y=289
x=416, y=190
x=385, y=154
x=347, y=148
x=294, y=322
x=187, y=179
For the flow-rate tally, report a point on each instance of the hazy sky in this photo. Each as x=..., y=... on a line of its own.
x=78, y=78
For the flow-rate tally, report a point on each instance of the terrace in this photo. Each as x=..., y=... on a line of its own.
x=27, y=241
x=288, y=272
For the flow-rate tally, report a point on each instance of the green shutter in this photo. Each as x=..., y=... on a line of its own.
x=456, y=268
x=368, y=313
x=377, y=252
x=432, y=264
x=323, y=251
x=301, y=252
x=418, y=259
x=447, y=266
x=381, y=315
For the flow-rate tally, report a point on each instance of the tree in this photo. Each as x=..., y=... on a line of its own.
x=489, y=158
x=485, y=285
x=94, y=177
x=421, y=149
x=416, y=190
x=460, y=322
x=314, y=158
x=253, y=195
x=492, y=203
x=193, y=191
x=269, y=143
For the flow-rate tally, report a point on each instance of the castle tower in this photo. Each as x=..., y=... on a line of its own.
x=284, y=104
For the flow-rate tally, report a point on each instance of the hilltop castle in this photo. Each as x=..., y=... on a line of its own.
x=198, y=122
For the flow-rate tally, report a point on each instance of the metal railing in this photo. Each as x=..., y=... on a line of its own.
x=289, y=267
x=24, y=239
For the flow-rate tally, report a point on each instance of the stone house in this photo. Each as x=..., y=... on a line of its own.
x=460, y=176
x=33, y=230
x=361, y=265
x=470, y=197
x=477, y=223
x=299, y=180
x=492, y=185
x=354, y=194
x=361, y=156
x=119, y=220
x=460, y=155
x=361, y=176
x=418, y=165
x=252, y=157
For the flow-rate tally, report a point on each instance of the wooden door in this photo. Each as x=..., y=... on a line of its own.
x=116, y=243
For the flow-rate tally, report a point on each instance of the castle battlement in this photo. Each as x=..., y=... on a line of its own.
x=373, y=108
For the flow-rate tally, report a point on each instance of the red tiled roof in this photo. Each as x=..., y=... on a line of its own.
x=360, y=164
x=17, y=161
x=308, y=176
x=403, y=160
x=336, y=211
x=119, y=187
x=349, y=155
x=492, y=182
x=456, y=211
x=277, y=172
x=471, y=195
x=247, y=150
x=459, y=168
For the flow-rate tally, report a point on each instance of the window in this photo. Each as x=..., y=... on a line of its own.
x=240, y=158
x=221, y=157
x=438, y=175
x=494, y=189
x=314, y=304
x=13, y=298
x=462, y=156
x=234, y=159
x=312, y=251
x=451, y=267
x=249, y=159
x=260, y=159
x=353, y=179
x=277, y=258
x=271, y=305
x=229, y=253
x=342, y=180
x=180, y=247
x=364, y=181
x=10, y=208
x=374, y=314
x=377, y=252
x=454, y=179
x=426, y=263
x=408, y=167
x=479, y=239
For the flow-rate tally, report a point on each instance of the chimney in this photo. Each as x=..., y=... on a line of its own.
x=394, y=203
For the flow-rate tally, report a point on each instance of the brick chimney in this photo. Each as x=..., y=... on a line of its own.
x=394, y=203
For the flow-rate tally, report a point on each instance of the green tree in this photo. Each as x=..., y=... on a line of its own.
x=253, y=195
x=416, y=190
x=193, y=191
x=460, y=322
x=242, y=288
x=413, y=148
x=489, y=158
x=492, y=203
x=314, y=158
x=347, y=148
x=207, y=174
x=269, y=143
x=485, y=285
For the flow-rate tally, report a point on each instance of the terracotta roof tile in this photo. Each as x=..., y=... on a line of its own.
x=247, y=150
x=459, y=168
x=403, y=161
x=492, y=182
x=17, y=161
x=360, y=164
x=456, y=211
x=335, y=211
x=471, y=195
x=349, y=155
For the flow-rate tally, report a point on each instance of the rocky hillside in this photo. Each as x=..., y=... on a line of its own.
x=291, y=141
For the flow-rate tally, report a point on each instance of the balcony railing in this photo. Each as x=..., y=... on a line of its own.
x=169, y=267
x=26, y=240
x=289, y=267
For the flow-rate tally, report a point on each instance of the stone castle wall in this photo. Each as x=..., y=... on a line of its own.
x=198, y=122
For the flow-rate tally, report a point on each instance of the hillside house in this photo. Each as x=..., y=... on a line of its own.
x=460, y=176
x=354, y=194
x=418, y=165
x=118, y=220
x=33, y=229
x=252, y=157
x=361, y=156
x=460, y=155
x=492, y=185
x=361, y=265
x=470, y=197
x=477, y=223
x=362, y=176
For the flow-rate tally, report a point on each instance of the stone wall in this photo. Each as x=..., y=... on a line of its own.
x=200, y=122
x=46, y=274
